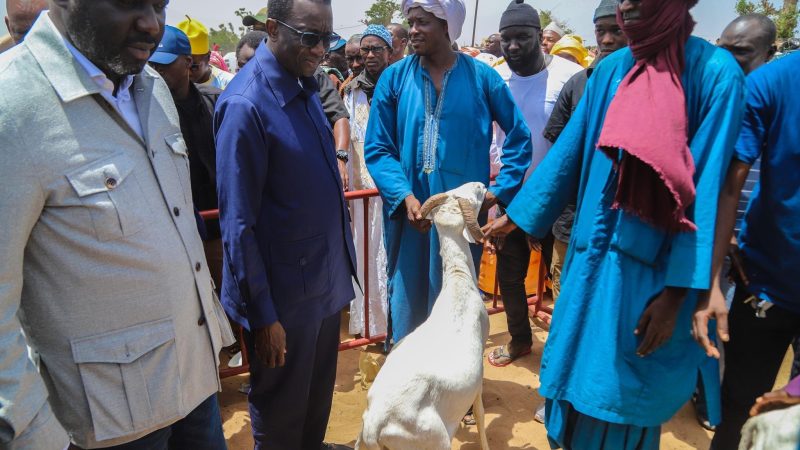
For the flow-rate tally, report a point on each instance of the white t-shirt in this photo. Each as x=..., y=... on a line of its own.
x=535, y=96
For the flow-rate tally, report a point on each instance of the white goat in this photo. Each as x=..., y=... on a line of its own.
x=434, y=374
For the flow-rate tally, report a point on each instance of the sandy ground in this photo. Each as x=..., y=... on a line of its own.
x=509, y=396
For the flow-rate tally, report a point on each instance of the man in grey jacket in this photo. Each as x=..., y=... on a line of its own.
x=102, y=265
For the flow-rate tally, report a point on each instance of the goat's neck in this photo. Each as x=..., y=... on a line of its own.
x=456, y=257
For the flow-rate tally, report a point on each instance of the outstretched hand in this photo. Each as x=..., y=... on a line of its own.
x=771, y=401
x=413, y=211
x=711, y=306
x=658, y=320
x=495, y=233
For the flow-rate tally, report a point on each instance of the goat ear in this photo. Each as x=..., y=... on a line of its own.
x=470, y=220
x=431, y=203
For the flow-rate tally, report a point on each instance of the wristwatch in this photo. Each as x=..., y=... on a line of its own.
x=342, y=155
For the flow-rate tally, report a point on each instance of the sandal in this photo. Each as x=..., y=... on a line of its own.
x=500, y=357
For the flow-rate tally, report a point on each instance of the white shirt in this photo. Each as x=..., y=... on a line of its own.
x=123, y=103
x=535, y=96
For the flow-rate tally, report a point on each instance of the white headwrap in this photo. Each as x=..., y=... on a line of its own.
x=452, y=11
x=554, y=28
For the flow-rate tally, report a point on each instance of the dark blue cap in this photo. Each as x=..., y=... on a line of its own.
x=174, y=43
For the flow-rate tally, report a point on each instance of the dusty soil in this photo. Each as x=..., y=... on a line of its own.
x=510, y=399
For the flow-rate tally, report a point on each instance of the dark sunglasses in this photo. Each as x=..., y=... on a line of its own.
x=377, y=51
x=309, y=39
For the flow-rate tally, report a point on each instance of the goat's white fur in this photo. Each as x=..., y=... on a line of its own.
x=434, y=374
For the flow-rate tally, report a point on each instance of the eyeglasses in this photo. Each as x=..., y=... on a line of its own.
x=309, y=39
x=377, y=51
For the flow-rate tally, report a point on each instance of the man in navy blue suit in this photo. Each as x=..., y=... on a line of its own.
x=289, y=256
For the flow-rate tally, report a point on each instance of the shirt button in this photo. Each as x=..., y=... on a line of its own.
x=201, y=321
x=111, y=183
x=176, y=211
x=198, y=266
x=303, y=262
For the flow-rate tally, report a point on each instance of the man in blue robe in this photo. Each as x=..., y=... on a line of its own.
x=620, y=360
x=429, y=131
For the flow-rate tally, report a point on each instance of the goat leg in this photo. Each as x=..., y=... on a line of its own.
x=477, y=409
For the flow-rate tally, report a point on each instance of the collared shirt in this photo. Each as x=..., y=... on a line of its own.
x=123, y=101
x=770, y=236
x=332, y=102
x=285, y=224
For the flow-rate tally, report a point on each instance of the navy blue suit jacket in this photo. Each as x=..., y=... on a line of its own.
x=288, y=246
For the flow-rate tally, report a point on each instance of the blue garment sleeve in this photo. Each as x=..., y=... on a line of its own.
x=242, y=161
x=754, y=131
x=540, y=202
x=381, y=154
x=517, y=148
x=689, y=263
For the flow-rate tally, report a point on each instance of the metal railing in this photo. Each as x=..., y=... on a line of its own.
x=535, y=302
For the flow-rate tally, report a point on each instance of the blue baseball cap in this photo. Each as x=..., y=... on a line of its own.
x=174, y=43
x=338, y=44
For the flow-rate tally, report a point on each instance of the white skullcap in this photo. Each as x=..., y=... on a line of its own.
x=554, y=28
x=454, y=12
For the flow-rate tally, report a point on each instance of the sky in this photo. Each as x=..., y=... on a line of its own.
x=711, y=15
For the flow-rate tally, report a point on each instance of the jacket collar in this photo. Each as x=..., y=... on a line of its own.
x=284, y=86
x=69, y=78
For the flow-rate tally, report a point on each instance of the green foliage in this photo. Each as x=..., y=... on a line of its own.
x=226, y=36
x=382, y=12
x=546, y=16
x=785, y=18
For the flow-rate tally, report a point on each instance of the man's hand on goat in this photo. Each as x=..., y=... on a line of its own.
x=488, y=201
x=496, y=231
x=270, y=343
x=413, y=207
x=771, y=401
x=658, y=320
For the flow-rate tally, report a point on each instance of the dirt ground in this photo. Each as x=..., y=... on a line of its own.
x=509, y=396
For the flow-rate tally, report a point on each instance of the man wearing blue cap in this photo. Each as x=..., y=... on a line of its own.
x=335, y=63
x=375, y=50
x=195, y=104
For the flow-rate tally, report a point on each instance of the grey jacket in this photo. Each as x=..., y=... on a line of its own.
x=101, y=264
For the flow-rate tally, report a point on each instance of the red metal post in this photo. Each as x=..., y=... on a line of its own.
x=366, y=267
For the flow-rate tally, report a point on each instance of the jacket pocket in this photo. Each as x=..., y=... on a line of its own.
x=180, y=159
x=637, y=239
x=299, y=270
x=130, y=377
x=108, y=188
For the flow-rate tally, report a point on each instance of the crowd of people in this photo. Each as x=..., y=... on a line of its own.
x=655, y=172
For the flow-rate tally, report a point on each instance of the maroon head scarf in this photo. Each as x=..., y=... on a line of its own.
x=647, y=119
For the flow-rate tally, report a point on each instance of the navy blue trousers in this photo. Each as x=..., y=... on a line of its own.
x=290, y=405
x=200, y=430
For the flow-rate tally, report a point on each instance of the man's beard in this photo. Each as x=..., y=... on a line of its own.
x=81, y=31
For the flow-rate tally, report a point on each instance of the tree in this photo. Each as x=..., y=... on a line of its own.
x=785, y=18
x=382, y=12
x=225, y=36
x=546, y=16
